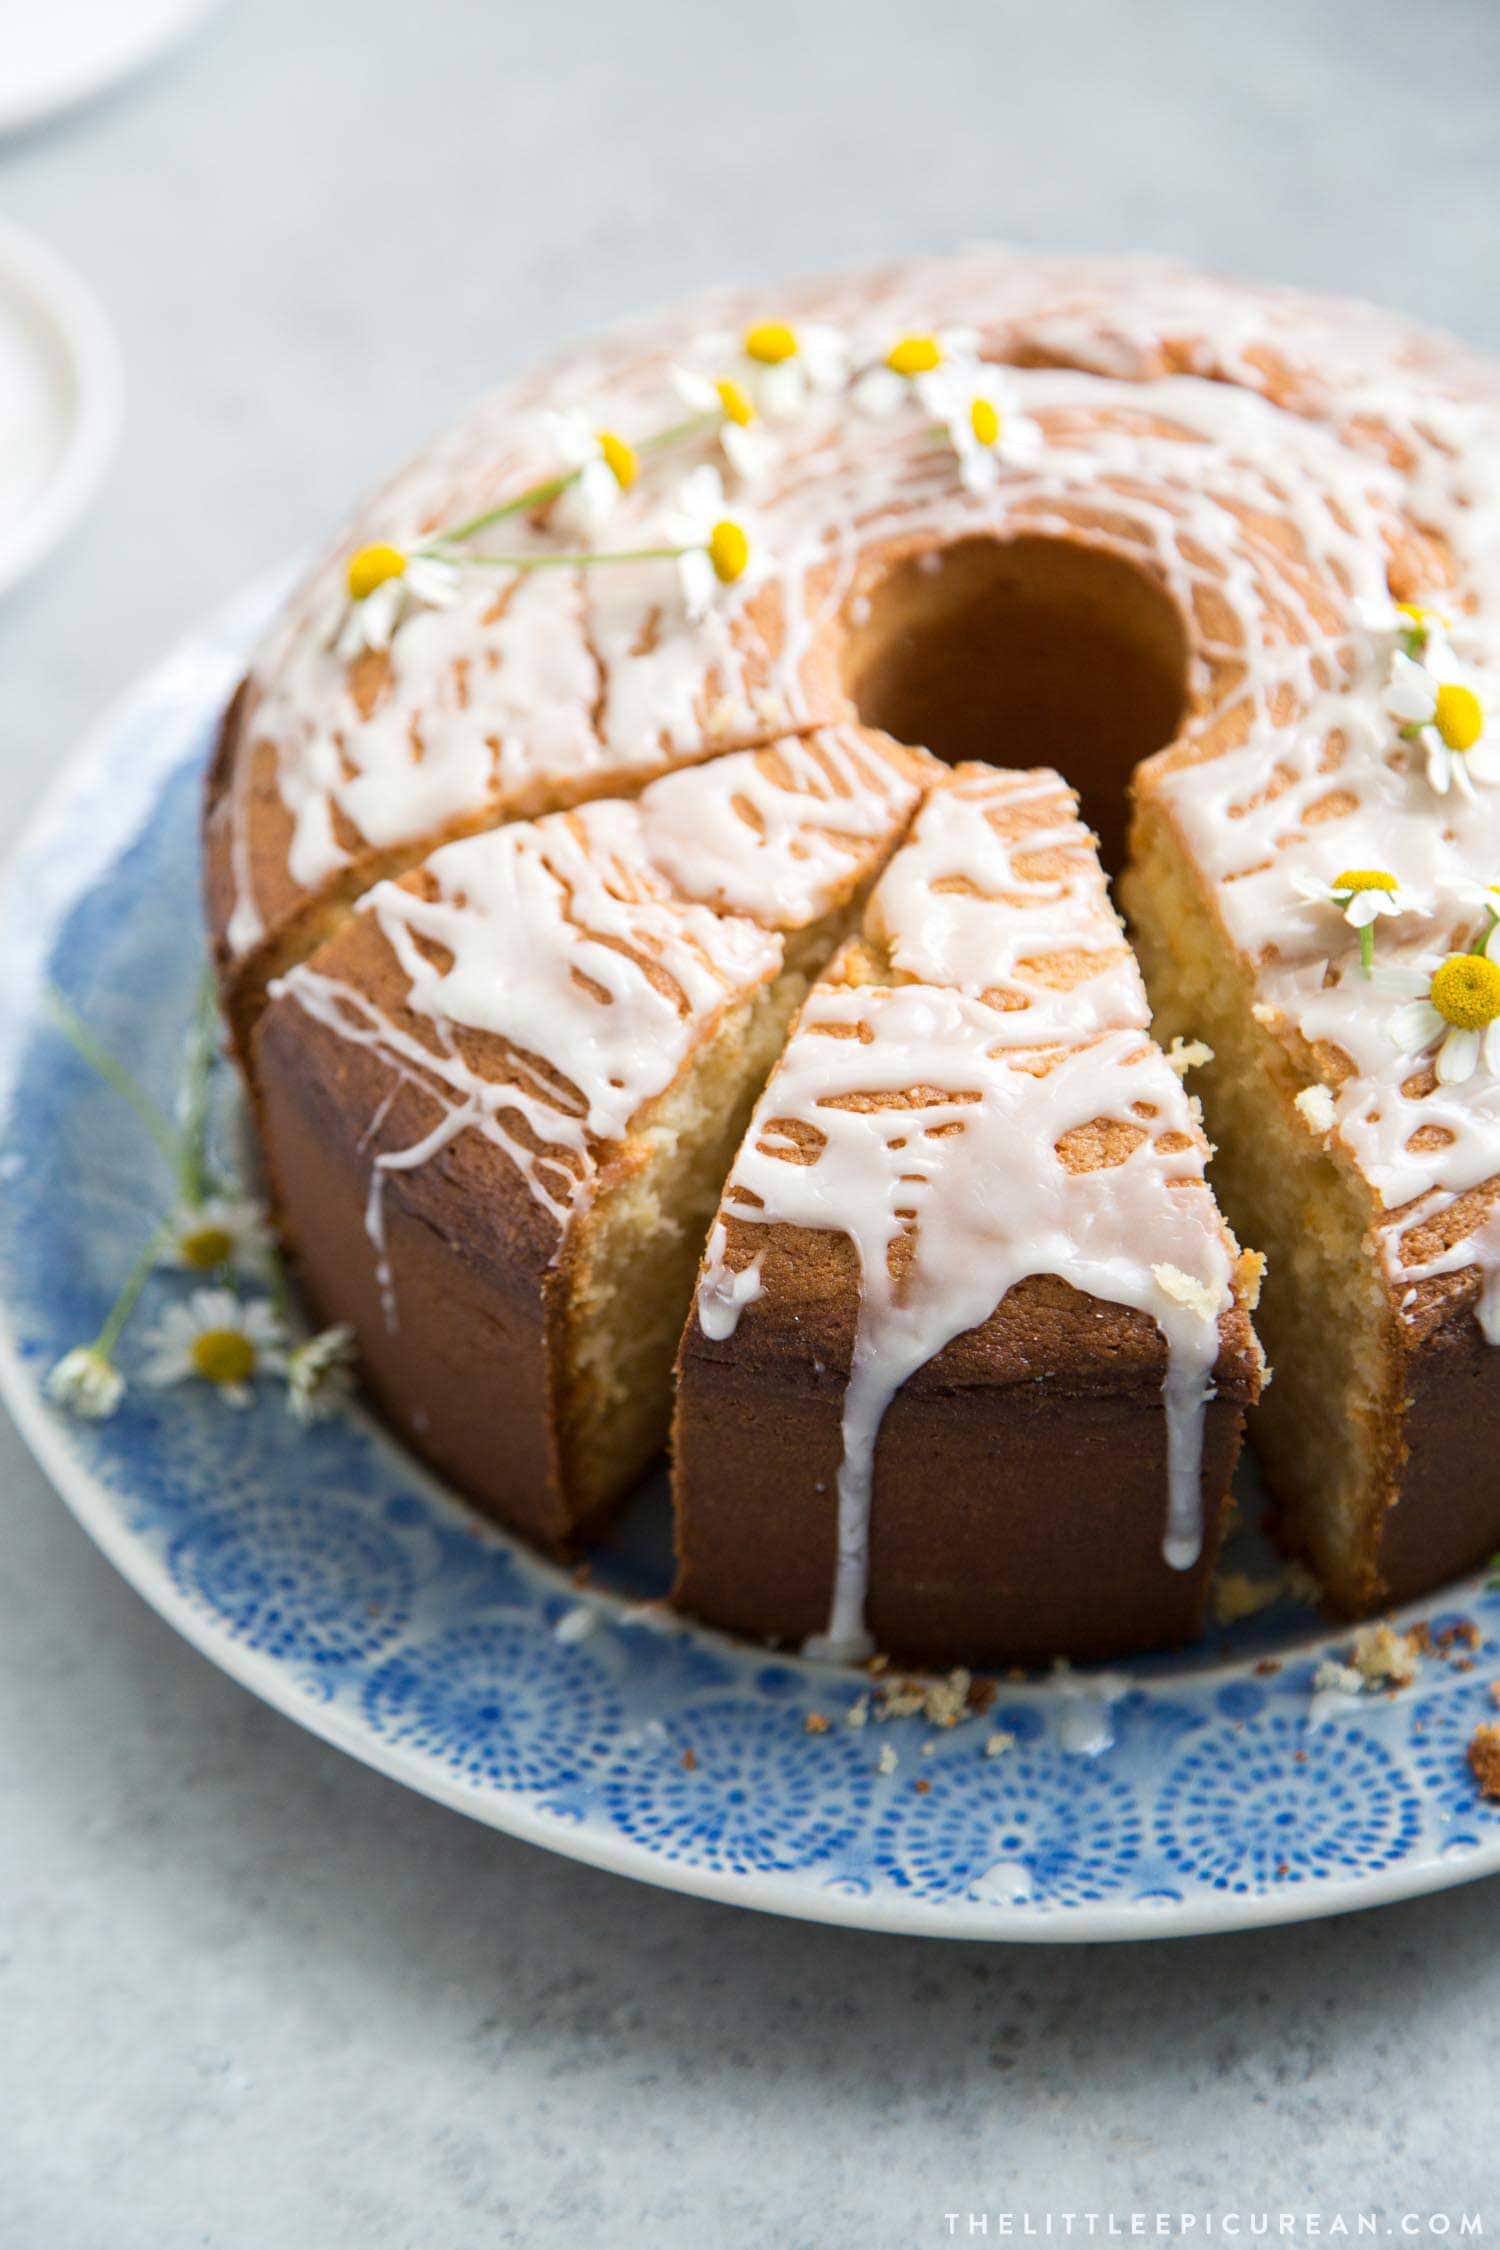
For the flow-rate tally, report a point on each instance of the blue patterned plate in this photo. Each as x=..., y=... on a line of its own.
x=328, y=1573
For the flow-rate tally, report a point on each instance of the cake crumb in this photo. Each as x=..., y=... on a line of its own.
x=1314, y=1105
x=575, y=1624
x=858, y=1712
x=690, y=1761
x=1333, y=1678
x=996, y=1744
x=1184, y=1290
x=1484, y=1758
x=1495, y=1693
x=1265, y=1014
x=1188, y=1054
x=922, y=1787
x=1383, y=1657
x=1237, y=1595
x=1268, y=1667
x=887, y=1762
x=814, y=1723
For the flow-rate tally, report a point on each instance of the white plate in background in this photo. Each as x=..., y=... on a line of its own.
x=60, y=393
x=58, y=52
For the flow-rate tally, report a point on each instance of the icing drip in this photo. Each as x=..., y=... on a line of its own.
x=942, y=1153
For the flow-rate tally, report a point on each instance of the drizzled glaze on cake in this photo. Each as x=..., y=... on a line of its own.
x=965, y=1143
x=580, y=948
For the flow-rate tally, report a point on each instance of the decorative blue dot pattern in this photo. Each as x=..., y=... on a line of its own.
x=337, y=1580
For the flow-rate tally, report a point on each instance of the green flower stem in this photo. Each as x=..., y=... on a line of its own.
x=125, y=1304
x=1367, y=948
x=552, y=488
x=115, y=1075
x=586, y=560
x=192, y=1163
x=535, y=496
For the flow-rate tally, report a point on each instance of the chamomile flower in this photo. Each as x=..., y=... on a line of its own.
x=602, y=466
x=86, y=1382
x=714, y=549
x=783, y=368
x=741, y=436
x=976, y=406
x=222, y=1230
x=216, y=1338
x=1481, y=898
x=1361, y=895
x=318, y=1374
x=1453, y=1005
x=385, y=585
x=1436, y=707
x=906, y=371
x=1404, y=626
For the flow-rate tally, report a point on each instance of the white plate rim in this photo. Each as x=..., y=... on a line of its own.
x=91, y=76
x=79, y=321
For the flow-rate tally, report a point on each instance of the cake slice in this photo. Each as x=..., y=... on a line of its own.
x=499, y=1103
x=1370, y=1182
x=970, y=1352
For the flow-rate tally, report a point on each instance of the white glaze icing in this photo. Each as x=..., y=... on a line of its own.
x=555, y=682
x=780, y=834
x=930, y=1130
x=999, y=878
x=591, y=978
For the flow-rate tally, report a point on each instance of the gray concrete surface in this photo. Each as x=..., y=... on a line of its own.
x=252, y=1996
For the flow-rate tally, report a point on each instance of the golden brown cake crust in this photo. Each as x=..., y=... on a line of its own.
x=1018, y=1503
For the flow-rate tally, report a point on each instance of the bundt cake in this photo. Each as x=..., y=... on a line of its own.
x=563, y=786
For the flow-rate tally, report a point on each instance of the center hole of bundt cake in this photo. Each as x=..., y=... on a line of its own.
x=1026, y=652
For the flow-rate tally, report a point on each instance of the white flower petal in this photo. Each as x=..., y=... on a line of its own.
x=880, y=391
x=1364, y=906
x=1411, y=693
x=696, y=575
x=696, y=391
x=1416, y=1026
x=1458, y=1056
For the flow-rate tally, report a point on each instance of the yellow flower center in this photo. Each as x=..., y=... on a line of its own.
x=620, y=459
x=984, y=421
x=737, y=407
x=770, y=343
x=1363, y=879
x=371, y=567
x=728, y=551
x=915, y=355
x=1458, y=715
x=206, y=1247
x=1466, y=991
x=223, y=1355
